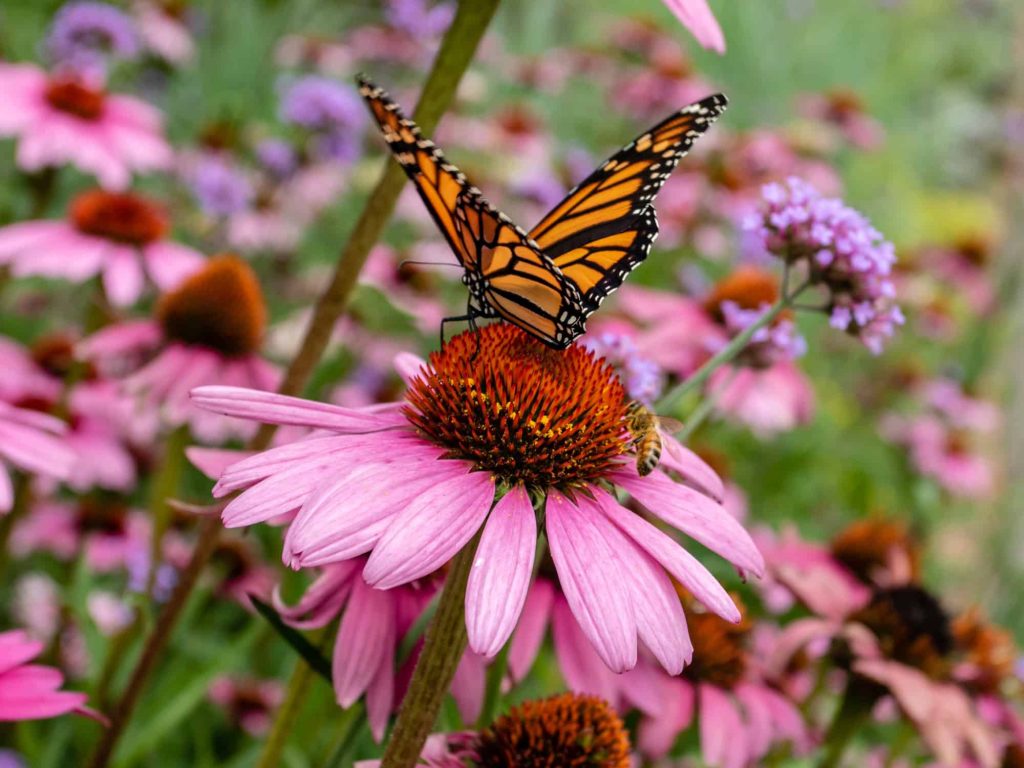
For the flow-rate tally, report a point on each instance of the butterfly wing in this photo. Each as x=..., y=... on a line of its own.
x=507, y=274
x=606, y=225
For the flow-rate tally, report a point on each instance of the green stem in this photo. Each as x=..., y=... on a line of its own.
x=854, y=710
x=442, y=650
x=288, y=712
x=704, y=409
x=22, y=501
x=492, y=690
x=726, y=354
x=165, y=486
x=453, y=57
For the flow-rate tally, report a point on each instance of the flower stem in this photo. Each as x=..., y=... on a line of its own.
x=22, y=502
x=700, y=414
x=859, y=699
x=435, y=668
x=453, y=57
x=295, y=697
x=165, y=486
x=726, y=354
x=156, y=642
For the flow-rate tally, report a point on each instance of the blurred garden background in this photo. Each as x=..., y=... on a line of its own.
x=910, y=111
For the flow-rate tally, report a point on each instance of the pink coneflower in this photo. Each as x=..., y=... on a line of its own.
x=564, y=730
x=208, y=330
x=739, y=714
x=248, y=702
x=412, y=482
x=65, y=119
x=896, y=641
x=30, y=441
x=844, y=110
x=106, y=532
x=373, y=623
x=121, y=236
x=30, y=691
x=164, y=30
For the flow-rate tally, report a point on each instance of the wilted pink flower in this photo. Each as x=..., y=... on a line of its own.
x=63, y=119
x=30, y=441
x=208, y=330
x=29, y=691
x=120, y=236
x=533, y=409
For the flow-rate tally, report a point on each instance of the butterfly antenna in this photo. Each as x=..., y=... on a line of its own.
x=403, y=262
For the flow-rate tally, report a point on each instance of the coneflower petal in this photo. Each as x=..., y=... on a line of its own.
x=366, y=640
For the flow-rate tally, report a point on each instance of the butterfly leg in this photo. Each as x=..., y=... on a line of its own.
x=457, y=319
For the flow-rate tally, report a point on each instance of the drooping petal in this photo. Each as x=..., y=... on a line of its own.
x=658, y=733
x=672, y=557
x=323, y=598
x=501, y=572
x=697, y=17
x=681, y=459
x=581, y=666
x=468, y=685
x=589, y=574
x=529, y=633
x=720, y=726
x=366, y=640
x=271, y=408
x=122, y=275
x=694, y=514
x=347, y=516
x=657, y=609
x=430, y=530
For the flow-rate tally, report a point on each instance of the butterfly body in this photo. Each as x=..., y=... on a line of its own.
x=550, y=280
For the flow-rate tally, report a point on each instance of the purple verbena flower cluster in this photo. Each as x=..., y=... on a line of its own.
x=329, y=109
x=419, y=18
x=84, y=36
x=643, y=378
x=220, y=188
x=277, y=157
x=842, y=252
x=777, y=342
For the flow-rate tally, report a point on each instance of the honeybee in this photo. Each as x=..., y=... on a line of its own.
x=644, y=427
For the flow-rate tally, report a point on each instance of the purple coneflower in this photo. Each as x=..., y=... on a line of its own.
x=30, y=441
x=496, y=428
x=30, y=691
x=208, y=330
x=67, y=119
x=85, y=34
x=120, y=236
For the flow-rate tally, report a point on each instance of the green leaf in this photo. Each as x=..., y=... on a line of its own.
x=309, y=652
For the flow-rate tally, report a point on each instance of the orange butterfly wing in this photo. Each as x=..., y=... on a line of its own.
x=507, y=274
x=606, y=225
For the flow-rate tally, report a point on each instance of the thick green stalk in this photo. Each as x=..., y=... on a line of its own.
x=165, y=486
x=288, y=712
x=453, y=57
x=443, y=648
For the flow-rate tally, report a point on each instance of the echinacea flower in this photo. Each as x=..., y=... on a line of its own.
x=30, y=441
x=120, y=236
x=65, y=119
x=207, y=330
x=30, y=691
x=897, y=641
x=494, y=422
x=565, y=730
x=740, y=715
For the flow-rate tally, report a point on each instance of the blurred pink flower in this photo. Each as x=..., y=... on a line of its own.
x=31, y=441
x=208, y=331
x=61, y=120
x=435, y=501
x=946, y=440
x=164, y=33
x=843, y=109
x=740, y=714
x=249, y=702
x=769, y=400
x=697, y=17
x=29, y=691
x=120, y=236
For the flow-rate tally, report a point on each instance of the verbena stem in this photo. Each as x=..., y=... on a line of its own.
x=727, y=353
x=442, y=650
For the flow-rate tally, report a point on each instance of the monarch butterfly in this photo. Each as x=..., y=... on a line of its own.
x=549, y=281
